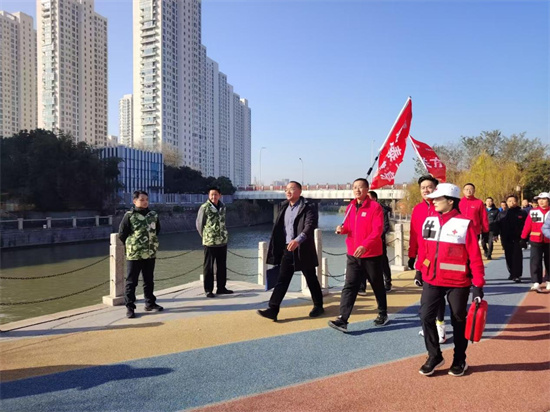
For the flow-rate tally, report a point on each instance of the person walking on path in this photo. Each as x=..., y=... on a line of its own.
x=292, y=245
x=503, y=206
x=510, y=224
x=363, y=224
x=210, y=224
x=490, y=237
x=385, y=262
x=546, y=228
x=139, y=231
x=540, y=244
x=473, y=208
x=421, y=211
x=525, y=205
x=450, y=262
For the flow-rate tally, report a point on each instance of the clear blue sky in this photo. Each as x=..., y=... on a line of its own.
x=325, y=79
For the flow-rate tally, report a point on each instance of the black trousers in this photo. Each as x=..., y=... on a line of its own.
x=514, y=257
x=540, y=252
x=430, y=304
x=386, y=271
x=134, y=267
x=216, y=255
x=487, y=241
x=286, y=271
x=363, y=269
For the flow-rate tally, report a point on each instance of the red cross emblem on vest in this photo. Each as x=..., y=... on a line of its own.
x=454, y=232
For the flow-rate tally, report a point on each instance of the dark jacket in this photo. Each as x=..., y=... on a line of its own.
x=305, y=256
x=510, y=224
x=492, y=215
x=386, y=210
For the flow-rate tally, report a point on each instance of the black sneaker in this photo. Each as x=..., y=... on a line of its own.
x=362, y=292
x=431, y=365
x=489, y=258
x=155, y=307
x=316, y=311
x=224, y=292
x=268, y=313
x=339, y=324
x=387, y=286
x=517, y=280
x=381, y=320
x=130, y=313
x=209, y=294
x=458, y=368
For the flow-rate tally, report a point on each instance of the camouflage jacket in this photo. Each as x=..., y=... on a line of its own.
x=211, y=224
x=138, y=231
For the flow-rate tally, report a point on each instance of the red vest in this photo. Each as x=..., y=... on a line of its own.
x=450, y=255
x=533, y=225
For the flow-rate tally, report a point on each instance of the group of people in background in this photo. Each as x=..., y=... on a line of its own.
x=446, y=231
x=519, y=228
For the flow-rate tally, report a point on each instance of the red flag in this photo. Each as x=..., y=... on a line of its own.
x=430, y=160
x=393, y=150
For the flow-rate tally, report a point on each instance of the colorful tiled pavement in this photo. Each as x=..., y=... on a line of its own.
x=230, y=359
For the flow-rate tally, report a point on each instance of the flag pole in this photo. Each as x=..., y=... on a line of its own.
x=388, y=136
x=418, y=154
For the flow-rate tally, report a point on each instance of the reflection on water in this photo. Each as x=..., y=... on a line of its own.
x=48, y=260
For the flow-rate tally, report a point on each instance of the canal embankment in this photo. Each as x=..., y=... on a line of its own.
x=69, y=228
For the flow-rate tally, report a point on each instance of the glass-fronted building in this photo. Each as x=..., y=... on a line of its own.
x=139, y=170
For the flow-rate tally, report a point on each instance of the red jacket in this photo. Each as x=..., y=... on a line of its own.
x=474, y=209
x=533, y=225
x=419, y=214
x=450, y=255
x=364, y=227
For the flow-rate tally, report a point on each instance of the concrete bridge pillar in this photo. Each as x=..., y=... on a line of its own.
x=318, y=235
x=399, y=249
x=116, y=273
x=262, y=265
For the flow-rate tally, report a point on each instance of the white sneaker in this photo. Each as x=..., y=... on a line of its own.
x=441, y=331
x=421, y=332
x=536, y=287
x=547, y=285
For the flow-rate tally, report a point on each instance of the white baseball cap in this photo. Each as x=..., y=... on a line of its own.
x=445, y=189
x=543, y=195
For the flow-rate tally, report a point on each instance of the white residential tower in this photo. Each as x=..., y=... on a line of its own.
x=17, y=73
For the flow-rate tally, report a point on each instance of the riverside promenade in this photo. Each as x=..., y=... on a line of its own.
x=219, y=355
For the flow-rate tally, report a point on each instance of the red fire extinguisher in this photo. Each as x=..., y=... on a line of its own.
x=475, y=321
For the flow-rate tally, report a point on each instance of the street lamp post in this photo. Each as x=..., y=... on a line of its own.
x=260, y=182
x=302, y=169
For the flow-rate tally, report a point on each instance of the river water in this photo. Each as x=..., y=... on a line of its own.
x=52, y=260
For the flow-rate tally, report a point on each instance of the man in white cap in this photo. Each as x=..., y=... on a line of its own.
x=450, y=261
x=540, y=244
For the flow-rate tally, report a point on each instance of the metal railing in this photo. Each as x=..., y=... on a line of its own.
x=117, y=259
x=56, y=222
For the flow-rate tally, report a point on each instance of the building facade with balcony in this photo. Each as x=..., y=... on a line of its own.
x=18, y=73
x=72, y=69
x=126, y=120
x=183, y=104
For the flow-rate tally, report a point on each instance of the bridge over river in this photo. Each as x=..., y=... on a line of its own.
x=320, y=192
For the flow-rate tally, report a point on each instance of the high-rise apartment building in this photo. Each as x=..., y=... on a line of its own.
x=166, y=72
x=126, y=120
x=72, y=69
x=182, y=103
x=226, y=128
x=17, y=73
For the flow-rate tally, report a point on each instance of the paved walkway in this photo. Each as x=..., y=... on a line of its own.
x=218, y=354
